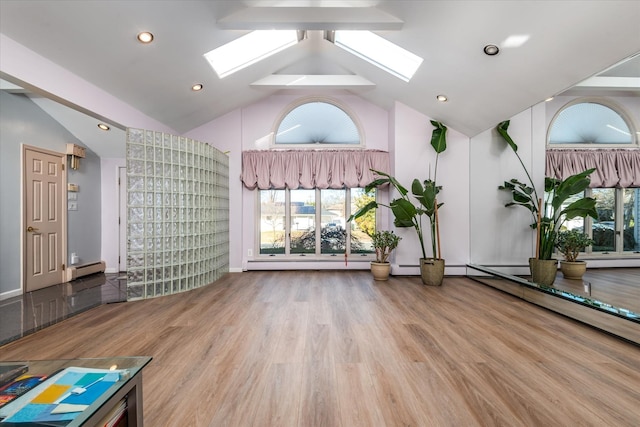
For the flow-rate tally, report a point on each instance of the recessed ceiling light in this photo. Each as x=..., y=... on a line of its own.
x=549, y=99
x=491, y=49
x=103, y=126
x=442, y=98
x=197, y=87
x=145, y=37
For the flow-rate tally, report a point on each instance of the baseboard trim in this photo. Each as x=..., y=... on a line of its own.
x=111, y=270
x=235, y=270
x=10, y=294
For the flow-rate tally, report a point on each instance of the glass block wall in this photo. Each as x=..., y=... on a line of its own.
x=178, y=214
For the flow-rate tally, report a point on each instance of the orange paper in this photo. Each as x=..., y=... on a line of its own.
x=51, y=393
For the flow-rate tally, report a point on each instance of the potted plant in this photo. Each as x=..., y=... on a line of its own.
x=407, y=213
x=550, y=216
x=384, y=243
x=570, y=243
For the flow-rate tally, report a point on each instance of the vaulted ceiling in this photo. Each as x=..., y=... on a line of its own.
x=566, y=42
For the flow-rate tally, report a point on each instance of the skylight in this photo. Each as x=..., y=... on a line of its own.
x=249, y=49
x=380, y=52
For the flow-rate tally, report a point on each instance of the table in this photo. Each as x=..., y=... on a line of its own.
x=128, y=387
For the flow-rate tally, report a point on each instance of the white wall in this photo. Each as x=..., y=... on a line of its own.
x=110, y=212
x=414, y=157
x=499, y=235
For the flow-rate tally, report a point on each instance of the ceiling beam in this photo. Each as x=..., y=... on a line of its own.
x=315, y=81
x=611, y=83
x=310, y=18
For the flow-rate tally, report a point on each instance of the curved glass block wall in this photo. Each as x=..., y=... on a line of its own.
x=177, y=214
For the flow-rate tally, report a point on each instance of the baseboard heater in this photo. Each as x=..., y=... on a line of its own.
x=76, y=272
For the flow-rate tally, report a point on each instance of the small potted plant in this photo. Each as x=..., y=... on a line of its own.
x=384, y=243
x=571, y=243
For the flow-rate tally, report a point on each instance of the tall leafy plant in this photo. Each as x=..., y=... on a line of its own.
x=548, y=218
x=406, y=212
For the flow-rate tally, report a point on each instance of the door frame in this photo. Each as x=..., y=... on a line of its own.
x=122, y=219
x=23, y=210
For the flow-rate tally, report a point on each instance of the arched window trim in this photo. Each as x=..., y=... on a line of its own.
x=309, y=99
x=604, y=102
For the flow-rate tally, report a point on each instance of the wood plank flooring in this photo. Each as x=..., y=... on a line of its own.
x=339, y=349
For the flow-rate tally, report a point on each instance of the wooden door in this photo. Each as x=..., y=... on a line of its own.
x=44, y=237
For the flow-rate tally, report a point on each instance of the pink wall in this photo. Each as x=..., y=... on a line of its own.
x=403, y=132
x=249, y=128
x=225, y=133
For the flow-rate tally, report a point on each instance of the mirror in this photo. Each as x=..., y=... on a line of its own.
x=501, y=241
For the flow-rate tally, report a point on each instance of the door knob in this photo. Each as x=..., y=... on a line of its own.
x=31, y=229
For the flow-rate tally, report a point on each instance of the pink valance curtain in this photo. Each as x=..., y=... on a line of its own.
x=614, y=168
x=311, y=169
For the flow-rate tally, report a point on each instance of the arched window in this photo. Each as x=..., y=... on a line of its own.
x=596, y=133
x=317, y=123
x=588, y=123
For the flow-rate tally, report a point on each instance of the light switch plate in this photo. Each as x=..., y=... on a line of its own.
x=72, y=206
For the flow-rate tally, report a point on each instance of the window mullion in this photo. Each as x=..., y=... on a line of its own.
x=318, y=211
x=588, y=223
x=619, y=220
x=287, y=221
x=347, y=214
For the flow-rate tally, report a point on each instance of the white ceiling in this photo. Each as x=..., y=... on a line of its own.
x=568, y=42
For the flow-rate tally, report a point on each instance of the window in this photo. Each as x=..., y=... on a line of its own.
x=596, y=123
x=249, y=49
x=317, y=123
x=313, y=222
x=589, y=124
x=615, y=230
x=379, y=52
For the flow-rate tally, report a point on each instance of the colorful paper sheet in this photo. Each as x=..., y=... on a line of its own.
x=65, y=395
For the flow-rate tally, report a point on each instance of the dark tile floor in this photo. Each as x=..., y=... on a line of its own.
x=32, y=311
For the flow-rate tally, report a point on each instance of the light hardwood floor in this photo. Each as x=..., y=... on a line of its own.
x=338, y=349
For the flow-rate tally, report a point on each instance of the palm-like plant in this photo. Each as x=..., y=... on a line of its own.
x=406, y=212
x=550, y=216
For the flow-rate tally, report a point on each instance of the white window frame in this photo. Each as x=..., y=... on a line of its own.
x=311, y=99
x=618, y=251
x=318, y=230
x=602, y=101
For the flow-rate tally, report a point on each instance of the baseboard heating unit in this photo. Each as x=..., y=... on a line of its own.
x=76, y=272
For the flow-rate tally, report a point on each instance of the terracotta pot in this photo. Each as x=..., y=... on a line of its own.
x=543, y=271
x=573, y=270
x=432, y=271
x=380, y=270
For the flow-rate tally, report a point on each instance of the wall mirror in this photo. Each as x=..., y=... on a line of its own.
x=601, y=114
